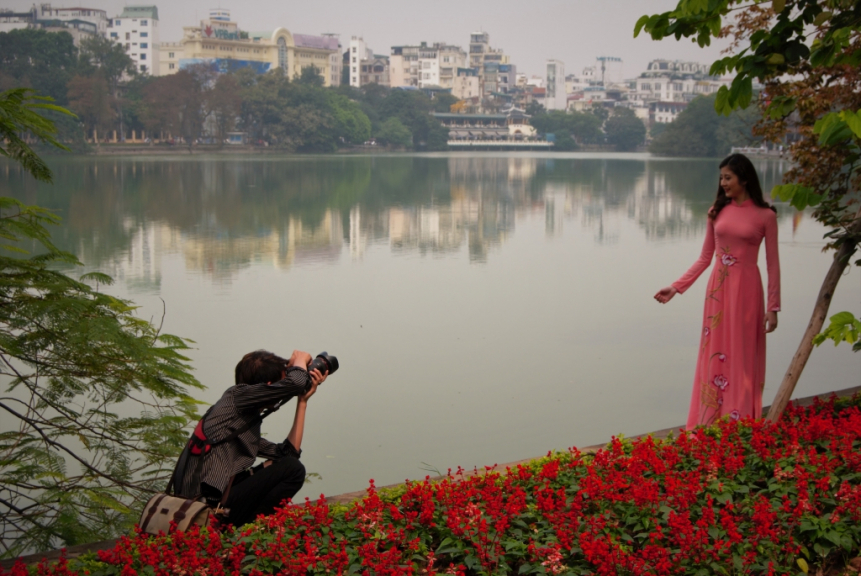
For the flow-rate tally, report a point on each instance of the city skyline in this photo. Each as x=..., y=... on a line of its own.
x=575, y=32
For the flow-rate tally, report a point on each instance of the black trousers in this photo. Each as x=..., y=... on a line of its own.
x=264, y=491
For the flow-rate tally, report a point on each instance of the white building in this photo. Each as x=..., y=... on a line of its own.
x=358, y=51
x=426, y=65
x=136, y=29
x=674, y=81
x=79, y=22
x=555, y=98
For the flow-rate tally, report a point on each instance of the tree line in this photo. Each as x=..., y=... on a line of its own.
x=99, y=82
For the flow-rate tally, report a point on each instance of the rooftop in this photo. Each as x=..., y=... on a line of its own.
x=150, y=12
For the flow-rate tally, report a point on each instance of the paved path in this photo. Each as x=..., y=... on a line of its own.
x=73, y=551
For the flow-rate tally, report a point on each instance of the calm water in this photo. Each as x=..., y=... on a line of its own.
x=485, y=308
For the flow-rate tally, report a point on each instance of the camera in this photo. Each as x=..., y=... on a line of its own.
x=323, y=362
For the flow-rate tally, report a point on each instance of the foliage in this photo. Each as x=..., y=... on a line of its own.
x=624, y=130
x=570, y=128
x=394, y=134
x=700, y=131
x=96, y=407
x=21, y=112
x=808, y=55
x=742, y=497
x=90, y=100
x=43, y=61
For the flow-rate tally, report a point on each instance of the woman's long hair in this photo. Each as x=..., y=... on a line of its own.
x=742, y=167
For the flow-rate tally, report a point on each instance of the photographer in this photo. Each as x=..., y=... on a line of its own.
x=216, y=463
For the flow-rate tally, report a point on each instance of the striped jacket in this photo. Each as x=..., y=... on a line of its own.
x=208, y=475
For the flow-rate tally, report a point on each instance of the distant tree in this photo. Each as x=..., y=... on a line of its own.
x=351, y=123
x=311, y=76
x=394, y=134
x=535, y=108
x=44, y=61
x=699, y=130
x=625, y=132
x=112, y=63
x=224, y=104
x=442, y=102
x=600, y=111
x=657, y=129
x=89, y=99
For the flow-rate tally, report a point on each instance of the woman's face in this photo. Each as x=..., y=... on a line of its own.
x=732, y=186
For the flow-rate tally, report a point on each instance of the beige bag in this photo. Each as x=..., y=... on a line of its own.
x=162, y=509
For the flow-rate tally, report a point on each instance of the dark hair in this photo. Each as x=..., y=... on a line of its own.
x=259, y=367
x=742, y=167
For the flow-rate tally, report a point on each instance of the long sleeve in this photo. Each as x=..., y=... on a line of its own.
x=702, y=262
x=274, y=451
x=295, y=383
x=772, y=262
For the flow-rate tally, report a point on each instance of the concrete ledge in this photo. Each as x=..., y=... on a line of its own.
x=74, y=551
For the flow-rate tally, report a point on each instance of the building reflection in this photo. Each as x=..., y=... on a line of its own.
x=125, y=216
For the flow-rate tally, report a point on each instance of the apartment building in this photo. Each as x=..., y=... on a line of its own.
x=136, y=29
x=78, y=22
x=425, y=66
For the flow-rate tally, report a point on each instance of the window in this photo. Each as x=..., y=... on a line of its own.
x=354, y=49
x=114, y=35
x=144, y=34
x=657, y=86
x=282, y=53
x=143, y=56
x=143, y=67
x=143, y=22
x=116, y=22
x=170, y=54
x=128, y=36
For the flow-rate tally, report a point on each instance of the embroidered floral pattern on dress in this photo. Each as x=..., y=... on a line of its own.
x=727, y=260
x=735, y=415
x=720, y=382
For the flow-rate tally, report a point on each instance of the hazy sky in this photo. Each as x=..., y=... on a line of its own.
x=574, y=31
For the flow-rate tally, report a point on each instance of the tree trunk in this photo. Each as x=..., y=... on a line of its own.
x=820, y=312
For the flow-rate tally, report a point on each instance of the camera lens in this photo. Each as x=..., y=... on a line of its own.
x=324, y=362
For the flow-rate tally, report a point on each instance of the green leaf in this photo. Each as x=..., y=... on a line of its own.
x=639, y=26
x=778, y=6
x=802, y=563
x=843, y=327
x=853, y=120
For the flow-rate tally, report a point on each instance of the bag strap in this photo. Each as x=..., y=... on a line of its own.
x=183, y=458
x=151, y=512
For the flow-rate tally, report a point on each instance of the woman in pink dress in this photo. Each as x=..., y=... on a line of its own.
x=730, y=373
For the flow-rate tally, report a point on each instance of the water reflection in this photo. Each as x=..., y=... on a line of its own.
x=224, y=215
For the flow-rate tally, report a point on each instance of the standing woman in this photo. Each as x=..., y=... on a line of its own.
x=730, y=373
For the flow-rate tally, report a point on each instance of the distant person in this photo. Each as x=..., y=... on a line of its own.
x=219, y=457
x=730, y=371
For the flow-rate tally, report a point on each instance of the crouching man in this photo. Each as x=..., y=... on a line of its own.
x=216, y=464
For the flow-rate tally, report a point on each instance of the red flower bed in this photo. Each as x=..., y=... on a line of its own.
x=746, y=497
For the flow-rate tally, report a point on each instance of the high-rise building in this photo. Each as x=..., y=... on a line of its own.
x=358, y=51
x=555, y=98
x=136, y=29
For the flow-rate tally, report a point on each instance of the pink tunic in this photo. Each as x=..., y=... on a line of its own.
x=730, y=372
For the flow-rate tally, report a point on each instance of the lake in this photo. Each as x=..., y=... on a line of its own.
x=485, y=308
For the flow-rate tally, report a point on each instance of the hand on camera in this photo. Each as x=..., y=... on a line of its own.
x=299, y=359
x=316, y=379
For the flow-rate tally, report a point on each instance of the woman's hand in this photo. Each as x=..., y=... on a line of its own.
x=770, y=321
x=316, y=379
x=664, y=295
